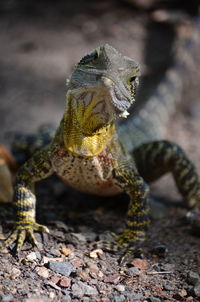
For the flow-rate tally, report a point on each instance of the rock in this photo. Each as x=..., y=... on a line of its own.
x=55, y=252
x=120, y=288
x=52, y=295
x=66, y=251
x=193, y=277
x=45, y=259
x=76, y=238
x=112, y=279
x=61, y=225
x=86, y=299
x=58, y=234
x=65, y=282
x=15, y=273
x=63, y=268
x=76, y=263
x=80, y=289
x=7, y=298
x=182, y=293
x=134, y=297
x=66, y=298
x=196, y=290
x=133, y=271
x=94, y=254
x=140, y=263
x=93, y=267
x=37, y=299
x=84, y=275
x=119, y=298
x=77, y=290
x=90, y=236
x=38, y=255
x=42, y=271
x=168, y=287
x=159, y=250
x=31, y=257
x=100, y=275
x=53, y=285
x=154, y=299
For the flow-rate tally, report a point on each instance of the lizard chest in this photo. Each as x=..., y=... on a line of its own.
x=92, y=175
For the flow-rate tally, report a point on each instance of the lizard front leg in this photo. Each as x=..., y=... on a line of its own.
x=131, y=240
x=36, y=168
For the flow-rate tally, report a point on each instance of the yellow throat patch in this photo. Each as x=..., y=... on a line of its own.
x=80, y=138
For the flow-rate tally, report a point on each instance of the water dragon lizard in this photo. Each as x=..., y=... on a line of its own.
x=91, y=156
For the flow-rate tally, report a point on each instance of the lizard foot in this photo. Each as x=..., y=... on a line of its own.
x=23, y=231
x=126, y=247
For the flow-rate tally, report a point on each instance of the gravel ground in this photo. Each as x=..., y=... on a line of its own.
x=38, y=47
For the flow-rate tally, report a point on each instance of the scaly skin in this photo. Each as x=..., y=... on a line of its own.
x=88, y=155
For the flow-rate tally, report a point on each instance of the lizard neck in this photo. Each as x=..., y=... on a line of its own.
x=79, y=142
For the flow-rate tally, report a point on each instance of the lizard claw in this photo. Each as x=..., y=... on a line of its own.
x=125, y=248
x=21, y=232
x=130, y=252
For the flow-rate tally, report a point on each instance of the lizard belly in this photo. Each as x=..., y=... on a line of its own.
x=87, y=174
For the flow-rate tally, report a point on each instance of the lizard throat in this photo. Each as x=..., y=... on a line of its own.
x=78, y=142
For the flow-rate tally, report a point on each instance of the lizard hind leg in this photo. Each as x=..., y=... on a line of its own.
x=156, y=158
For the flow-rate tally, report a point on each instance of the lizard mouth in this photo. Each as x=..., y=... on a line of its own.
x=121, y=100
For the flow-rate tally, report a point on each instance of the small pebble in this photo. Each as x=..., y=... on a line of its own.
x=159, y=250
x=66, y=298
x=154, y=299
x=52, y=295
x=7, y=298
x=90, y=236
x=133, y=271
x=15, y=273
x=120, y=288
x=193, y=277
x=81, y=289
x=76, y=238
x=95, y=253
x=114, y=279
x=32, y=256
x=42, y=271
x=196, y=290
x=86, y=299
x=93, y=267
x=55, y=279
x=76, y=263
x=168, y=287
x=63, y=268
x=65, y=282
x=119, y=298
x=84, y=275
x=140, y=263
x=66, y=251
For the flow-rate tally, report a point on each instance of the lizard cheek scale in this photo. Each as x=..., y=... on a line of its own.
x=90, y=154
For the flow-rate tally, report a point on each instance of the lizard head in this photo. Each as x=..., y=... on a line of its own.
x=101, y=88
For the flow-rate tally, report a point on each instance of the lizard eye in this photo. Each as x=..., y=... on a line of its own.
x=89, y=58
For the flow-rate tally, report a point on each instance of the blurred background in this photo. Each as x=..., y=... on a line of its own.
x=41, y=41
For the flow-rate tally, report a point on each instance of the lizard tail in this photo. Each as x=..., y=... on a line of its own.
x=150, y=121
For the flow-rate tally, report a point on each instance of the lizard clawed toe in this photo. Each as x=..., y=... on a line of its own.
x=20, y=233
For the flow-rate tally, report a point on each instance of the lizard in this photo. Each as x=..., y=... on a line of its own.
x=91, y=155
